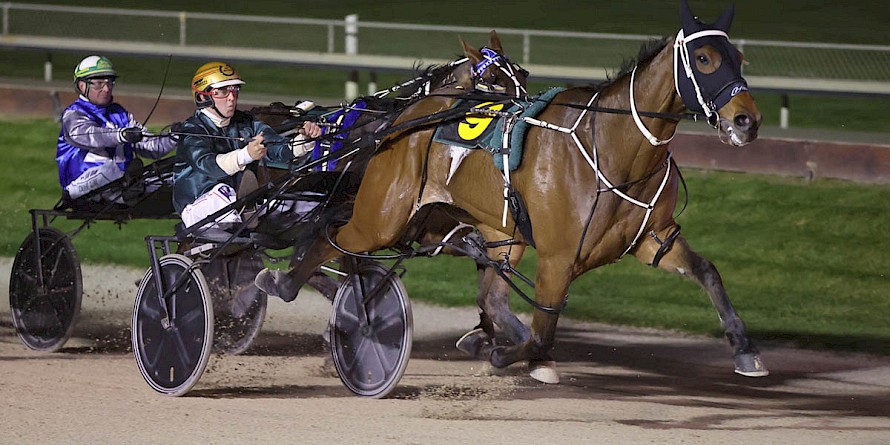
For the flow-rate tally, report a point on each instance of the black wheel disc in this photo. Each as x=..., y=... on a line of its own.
x=239, y=307
x=44, y=315
x=172, y=354
x=372, y=329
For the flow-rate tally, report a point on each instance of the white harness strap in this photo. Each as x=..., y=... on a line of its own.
x=448, y=236
x=682, y=51
x=633, y=111
x=593, y=162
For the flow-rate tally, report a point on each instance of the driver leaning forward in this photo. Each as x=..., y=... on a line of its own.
x=219, y=146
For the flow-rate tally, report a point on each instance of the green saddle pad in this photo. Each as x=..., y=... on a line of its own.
x=488, y=132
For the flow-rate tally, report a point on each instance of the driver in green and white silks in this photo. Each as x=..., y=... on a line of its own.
x=99, y=139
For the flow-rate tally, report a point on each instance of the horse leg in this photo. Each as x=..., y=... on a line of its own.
x=493, y=300
x=682, y=260
x=477, y=343
x=552, y=280
x=324, y=284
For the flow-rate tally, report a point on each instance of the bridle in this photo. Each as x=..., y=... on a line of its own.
x=683, y=55
x=687, y=83
x=503, y=64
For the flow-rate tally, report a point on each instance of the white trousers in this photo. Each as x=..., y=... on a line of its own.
x=94, y=178
x=220, y=196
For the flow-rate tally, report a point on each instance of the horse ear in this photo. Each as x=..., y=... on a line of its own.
x=495, y=42
x=472, y=53
x=725, y=20
x=687, y=19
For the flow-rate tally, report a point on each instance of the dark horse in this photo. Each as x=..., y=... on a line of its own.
x=603, y=185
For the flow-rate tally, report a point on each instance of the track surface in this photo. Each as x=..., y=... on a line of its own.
x=619, y=386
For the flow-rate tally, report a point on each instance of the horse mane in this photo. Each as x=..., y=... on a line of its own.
x=647, y=52
x=434, y=74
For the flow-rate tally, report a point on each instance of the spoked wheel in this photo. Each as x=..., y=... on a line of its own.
x=239, y=307
x=44, y=312
x=371, y=330
x=172, y=339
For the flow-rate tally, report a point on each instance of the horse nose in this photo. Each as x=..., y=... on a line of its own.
x=746, y=122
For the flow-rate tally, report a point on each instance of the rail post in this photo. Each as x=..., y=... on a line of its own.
x=6, y=6
x=53, y=94
x=352, y=49
x=783, y=112
x=182, y=28
x=526, y=48
x=372, y=82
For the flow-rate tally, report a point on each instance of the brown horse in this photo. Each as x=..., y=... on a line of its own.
x=598, y=183
x=486, y=71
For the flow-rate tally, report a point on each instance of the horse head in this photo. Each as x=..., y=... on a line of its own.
x=492, y=72
x=708, y=77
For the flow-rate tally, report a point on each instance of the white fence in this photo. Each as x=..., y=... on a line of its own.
x=790, y=67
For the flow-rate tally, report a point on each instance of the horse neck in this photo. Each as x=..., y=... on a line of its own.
x=654, y=91
x=653, y=87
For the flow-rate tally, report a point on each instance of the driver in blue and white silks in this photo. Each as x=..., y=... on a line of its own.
x=219, y=145
x=99, y=139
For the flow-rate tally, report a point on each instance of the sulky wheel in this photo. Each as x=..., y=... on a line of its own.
x=44, y=301
x=172, y=350
x=371, y=329
x=239, y=307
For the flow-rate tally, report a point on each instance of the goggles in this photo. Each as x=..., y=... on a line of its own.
x=101, y=83
x=222, y=93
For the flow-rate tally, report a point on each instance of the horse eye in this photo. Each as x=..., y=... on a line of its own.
x=702, y=59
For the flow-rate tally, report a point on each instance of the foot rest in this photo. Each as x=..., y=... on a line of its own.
x=214, y=235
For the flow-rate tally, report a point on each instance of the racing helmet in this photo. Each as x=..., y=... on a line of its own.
x=91, y=67
x=213, y=75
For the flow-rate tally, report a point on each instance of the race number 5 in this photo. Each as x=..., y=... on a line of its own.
x=473, y=126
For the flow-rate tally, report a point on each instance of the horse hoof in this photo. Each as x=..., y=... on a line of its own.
x=750, y=365
x=544, y=372
x=496, y=359
x=472, y=342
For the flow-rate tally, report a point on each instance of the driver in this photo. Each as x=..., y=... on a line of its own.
x=219, y=146
x=99, y=138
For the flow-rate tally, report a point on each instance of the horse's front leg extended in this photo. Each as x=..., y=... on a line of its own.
x=682, y=260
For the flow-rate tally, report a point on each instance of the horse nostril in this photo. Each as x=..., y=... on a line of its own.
x=743, y=121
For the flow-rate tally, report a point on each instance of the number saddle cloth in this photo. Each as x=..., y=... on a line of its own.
x=500, y=135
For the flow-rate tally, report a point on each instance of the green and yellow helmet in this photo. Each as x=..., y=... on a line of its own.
x=213, y=75
x=94, y=66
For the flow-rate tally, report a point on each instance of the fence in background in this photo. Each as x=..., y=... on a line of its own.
x=351, y=44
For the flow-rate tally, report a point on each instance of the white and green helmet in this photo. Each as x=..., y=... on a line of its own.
x=94, y=66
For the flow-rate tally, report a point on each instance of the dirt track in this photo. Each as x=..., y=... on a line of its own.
x=619, y=386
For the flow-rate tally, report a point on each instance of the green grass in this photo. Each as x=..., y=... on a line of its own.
x=804, y=262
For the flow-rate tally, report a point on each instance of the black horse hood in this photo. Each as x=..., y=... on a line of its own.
x=718, y=87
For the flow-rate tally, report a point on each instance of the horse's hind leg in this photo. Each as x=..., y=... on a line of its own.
x=682, y=260
x=493, y=300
